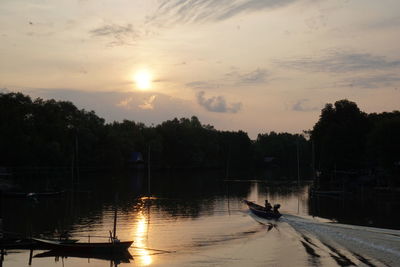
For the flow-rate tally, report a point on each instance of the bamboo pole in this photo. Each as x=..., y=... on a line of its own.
x=115, y=218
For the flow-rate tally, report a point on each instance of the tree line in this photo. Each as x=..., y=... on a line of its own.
x=347, y=139
x=37, y=132
x=54, y=133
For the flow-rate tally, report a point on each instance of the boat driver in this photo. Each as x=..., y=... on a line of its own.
x=268, y=206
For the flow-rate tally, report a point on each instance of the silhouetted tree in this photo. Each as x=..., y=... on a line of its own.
x=383, y=143
x=282, y=147
x=340, y=135
x=53, y=133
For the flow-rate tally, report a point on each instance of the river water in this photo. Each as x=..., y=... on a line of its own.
x=200, y=220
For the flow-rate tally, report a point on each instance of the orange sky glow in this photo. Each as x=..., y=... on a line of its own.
x=252, y=65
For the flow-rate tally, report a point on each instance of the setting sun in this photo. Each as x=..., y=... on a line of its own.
x=142, y=79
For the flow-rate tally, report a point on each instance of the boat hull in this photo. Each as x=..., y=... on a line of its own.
x=120, y=256
x=20, y=243
x=260, y=211
x=105, y=247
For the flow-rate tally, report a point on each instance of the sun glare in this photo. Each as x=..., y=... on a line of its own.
x=141, y=239
x=142, y=80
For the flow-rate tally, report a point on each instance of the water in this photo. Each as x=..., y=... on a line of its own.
x=199, y=220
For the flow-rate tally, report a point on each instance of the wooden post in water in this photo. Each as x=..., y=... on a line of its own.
x=148, y=172
x=115, y=218
x=227, y=162
x=298, y=176
x=72, y=172
x=298, y=164
x=2, y=257
x=227, y=190
x=77, y=157
x=30, y=257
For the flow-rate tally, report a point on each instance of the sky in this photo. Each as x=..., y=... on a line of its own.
x=251, y=65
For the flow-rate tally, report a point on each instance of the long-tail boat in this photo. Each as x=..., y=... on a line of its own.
x=260, y=211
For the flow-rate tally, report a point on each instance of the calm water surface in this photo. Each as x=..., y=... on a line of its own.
x=197, y=220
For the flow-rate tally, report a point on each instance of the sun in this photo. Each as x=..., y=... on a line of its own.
x=142, y=79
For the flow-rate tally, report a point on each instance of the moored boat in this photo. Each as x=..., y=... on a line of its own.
x=119, y=256
x=103, y=247
x=262, y=212
x=28, y=243
x=46, y=194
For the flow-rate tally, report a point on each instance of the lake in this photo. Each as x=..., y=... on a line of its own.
x=199, y=219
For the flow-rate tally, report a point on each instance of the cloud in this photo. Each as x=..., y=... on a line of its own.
x=117, y=106
x=254, y=77
x=125, y=103
x=233, y=78
x=371, y=81
x=128, y=103
x=217, y=104
x=119, y=34
x=202, y=85
x=301, y=105
x=391, y=22
x=197, y=11
x=341, y=61
x=148, y=103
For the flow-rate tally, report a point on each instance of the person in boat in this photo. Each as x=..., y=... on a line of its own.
x=267, y=205
x=276, y=207
x=64, y=236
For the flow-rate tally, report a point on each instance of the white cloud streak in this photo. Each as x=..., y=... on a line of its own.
x=197, y=11
x=118, y=34
x=341, y=61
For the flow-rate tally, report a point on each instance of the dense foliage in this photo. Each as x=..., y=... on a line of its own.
x=340, y=136
x=55, y=133
x=286, y=151
x=58, y=134
x=348, y=139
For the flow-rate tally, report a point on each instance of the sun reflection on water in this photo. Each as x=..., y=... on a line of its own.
x=141, y=234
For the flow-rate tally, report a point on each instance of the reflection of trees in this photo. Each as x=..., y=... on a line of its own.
x=368, y=209
x=285, y=190
x=29, y=216
x=177, y=195
x=189, y=195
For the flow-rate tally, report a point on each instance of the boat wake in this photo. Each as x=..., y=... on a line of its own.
x=346, y=244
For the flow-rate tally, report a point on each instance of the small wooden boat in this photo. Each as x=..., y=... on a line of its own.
x=61, y=240
x=262, y=212
x=111, y=248
x=27, y=243
x=327, y=193
x=15, y=243
x=118, y=257
x=46, y=194
x=103, y=247
x=14, y=194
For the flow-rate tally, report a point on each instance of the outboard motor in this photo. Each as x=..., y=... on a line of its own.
x=276, y=207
